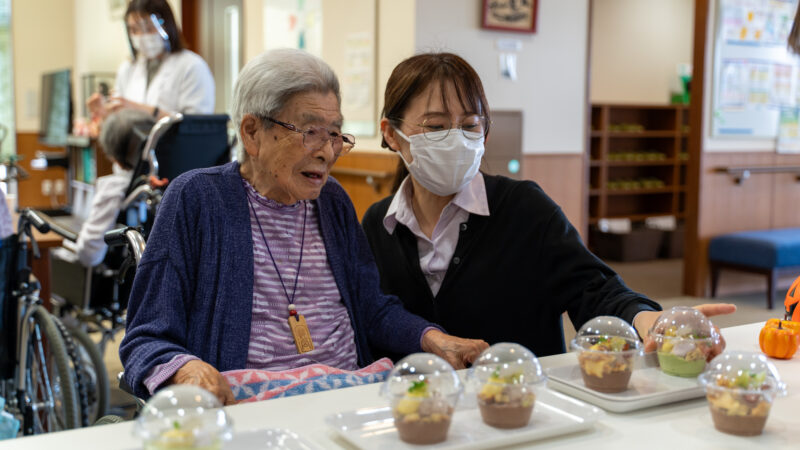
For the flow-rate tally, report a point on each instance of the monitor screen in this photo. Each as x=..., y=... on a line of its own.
x=56, y=110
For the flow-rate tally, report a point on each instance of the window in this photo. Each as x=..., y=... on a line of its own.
x=7, y=147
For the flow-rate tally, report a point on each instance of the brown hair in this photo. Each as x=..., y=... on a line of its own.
x=415, y=74
x=794, y=35
x=161, y=9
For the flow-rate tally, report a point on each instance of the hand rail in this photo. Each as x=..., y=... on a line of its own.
x=740, y=174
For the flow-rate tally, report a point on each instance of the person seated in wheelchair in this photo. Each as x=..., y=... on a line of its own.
x=121, y=138
x=261, y=263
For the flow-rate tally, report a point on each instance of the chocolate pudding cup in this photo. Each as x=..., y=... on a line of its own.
x=610, y=382
x=740, y=388
x=506, y=416
x=506, y=378
x=423, y=431
x=607, y=371
x=422, y=390
x=607, y=349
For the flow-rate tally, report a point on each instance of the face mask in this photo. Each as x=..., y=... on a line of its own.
x=444, y=167
x=149, y=45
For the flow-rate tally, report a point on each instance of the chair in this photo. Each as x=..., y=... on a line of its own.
x=176, y=144
x=180, y=143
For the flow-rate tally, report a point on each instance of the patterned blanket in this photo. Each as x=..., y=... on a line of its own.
x=249, y=385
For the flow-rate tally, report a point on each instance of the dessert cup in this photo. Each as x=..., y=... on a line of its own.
x=607, y=349
x=740, y=388
x=684, y=340
x=422, y=390
x=505, y=378
x=183, y=417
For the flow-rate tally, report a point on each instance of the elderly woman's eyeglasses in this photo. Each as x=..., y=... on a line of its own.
x=315, y=138
x=473, y=127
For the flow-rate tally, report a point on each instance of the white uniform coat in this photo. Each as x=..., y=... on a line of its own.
x=182, y=84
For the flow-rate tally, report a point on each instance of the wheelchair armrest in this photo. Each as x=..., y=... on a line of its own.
x=127, y=236
x=158, y=130
x=142, y=191
x=45, y=223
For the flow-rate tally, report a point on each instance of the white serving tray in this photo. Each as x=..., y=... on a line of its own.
x=269, y=438
x=554, y=414
x=649, y=386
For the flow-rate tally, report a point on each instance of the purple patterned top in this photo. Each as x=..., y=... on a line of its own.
x=271, y=344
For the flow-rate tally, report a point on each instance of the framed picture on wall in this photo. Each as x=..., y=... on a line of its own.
x=509, y=15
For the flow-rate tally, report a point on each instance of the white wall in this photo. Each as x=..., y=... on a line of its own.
x=551, y=88
x=395, y=41
x=56, y=34
x=636, y=46
x=43, y=39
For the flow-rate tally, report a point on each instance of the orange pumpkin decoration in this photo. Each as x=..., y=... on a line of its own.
x=792, y=298
x=780, y=338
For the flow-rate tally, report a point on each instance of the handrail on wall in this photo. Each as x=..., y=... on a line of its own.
x=371, y=177
x=740, y=174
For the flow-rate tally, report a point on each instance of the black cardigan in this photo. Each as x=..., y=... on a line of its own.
x=512, y=275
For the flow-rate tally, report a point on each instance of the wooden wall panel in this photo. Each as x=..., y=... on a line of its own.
x=380, y=165
x=763, y=201
x=786, y=195
x=562, y=177
x=728, y=207
x=30, y=190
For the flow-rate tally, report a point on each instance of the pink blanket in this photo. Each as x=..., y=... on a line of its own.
x=249, y=385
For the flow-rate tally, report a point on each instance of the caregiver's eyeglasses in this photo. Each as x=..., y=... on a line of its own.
x=473, y=126
x=315, y=138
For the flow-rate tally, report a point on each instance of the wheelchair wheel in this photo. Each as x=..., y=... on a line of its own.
x=94, y=373
x=82, y=376
x=50, y=401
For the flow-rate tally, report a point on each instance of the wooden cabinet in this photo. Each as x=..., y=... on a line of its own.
x=637, y=161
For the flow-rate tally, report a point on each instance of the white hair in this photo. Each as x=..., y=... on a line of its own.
x=270, y=79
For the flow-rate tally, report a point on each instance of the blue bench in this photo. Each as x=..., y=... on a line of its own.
x=767, y=252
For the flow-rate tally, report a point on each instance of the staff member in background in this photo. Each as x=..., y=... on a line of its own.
x=162, y=77
x=261, y=263
x=119, y=143
x=484, y=256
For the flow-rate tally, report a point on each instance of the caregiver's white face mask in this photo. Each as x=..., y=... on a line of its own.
x=447, y=165
x=149, y=45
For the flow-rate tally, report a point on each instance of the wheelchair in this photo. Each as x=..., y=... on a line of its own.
x=37, y=377
x=94, y=300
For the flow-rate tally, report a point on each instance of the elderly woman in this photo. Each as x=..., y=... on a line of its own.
x=485, y=256
x=261, y=263
x=120, y=137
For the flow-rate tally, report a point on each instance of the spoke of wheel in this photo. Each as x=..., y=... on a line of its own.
x=50, y=399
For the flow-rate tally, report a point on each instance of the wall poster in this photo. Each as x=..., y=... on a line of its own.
x=756, y=80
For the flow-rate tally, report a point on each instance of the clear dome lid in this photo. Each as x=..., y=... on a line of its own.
x=744, y=372
x=422, y=375
x=607, y=334
x=183, y=416
x=506, y=363
x=682, y=322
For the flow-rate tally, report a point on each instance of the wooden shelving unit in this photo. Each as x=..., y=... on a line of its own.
x=637, y=161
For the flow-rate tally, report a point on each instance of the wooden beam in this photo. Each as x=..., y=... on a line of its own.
x=190, y=24
x=695, y=251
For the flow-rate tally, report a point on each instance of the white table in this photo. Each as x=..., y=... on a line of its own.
x=680, y=426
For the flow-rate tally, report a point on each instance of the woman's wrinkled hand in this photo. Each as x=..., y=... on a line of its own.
x=645, y=321
x=455, y=350
x=199, y=373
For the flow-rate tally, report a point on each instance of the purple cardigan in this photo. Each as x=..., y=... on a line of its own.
x=193, y=291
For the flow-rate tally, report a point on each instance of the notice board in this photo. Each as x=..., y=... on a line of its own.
x=756, y=79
